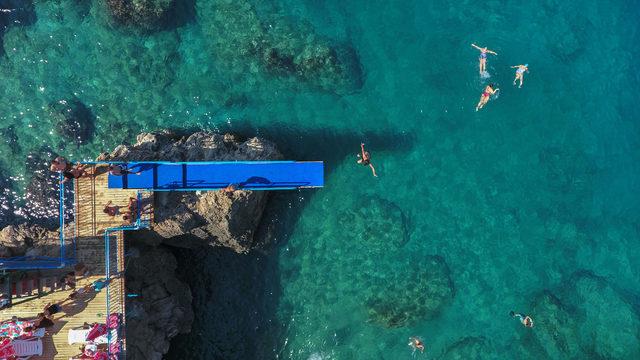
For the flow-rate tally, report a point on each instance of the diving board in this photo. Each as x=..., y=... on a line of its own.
x=193, y=176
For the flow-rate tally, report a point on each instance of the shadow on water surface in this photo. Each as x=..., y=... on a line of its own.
x=236, y=296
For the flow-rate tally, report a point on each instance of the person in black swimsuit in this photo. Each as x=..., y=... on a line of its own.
x=365, y=159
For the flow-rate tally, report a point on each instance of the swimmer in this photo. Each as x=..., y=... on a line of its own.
x=416, y=344
x=365, y=159
x=486, y=95
x=526, y=320
x=520, y=69
x=483, y=57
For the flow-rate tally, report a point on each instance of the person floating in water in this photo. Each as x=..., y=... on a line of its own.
x=483, y=57
x=416, y=344
x=486, y=95
x=365, y=159
x=526, y=320
x=520, y=69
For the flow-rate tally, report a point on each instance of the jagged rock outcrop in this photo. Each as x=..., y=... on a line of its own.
x=32, y=240
x=191, y=219
x=162, y=308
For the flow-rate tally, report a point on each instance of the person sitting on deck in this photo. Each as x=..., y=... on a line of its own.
x=119, y=170
x=132, y=211
x=111, y=209
x=75, y=172
x=365, y=159
x=230, y=189
x=59, y=164
x=69, y=279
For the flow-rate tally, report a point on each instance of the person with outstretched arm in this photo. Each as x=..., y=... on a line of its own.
x=364, y=158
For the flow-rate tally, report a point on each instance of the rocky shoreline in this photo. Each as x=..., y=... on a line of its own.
x=182, y=220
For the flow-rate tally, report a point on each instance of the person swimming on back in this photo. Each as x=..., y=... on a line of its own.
x=483, y=57
x=520, y=69
x=416, y=343
x=526, y=320
x=365, y=159
x=486, y=95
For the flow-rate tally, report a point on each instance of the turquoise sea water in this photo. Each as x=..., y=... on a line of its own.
x=529, y=205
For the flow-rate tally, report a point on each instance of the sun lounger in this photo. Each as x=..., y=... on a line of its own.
x=25, y=349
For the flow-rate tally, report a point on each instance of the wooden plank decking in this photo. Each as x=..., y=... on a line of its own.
x=91, y=196
x=88, y=308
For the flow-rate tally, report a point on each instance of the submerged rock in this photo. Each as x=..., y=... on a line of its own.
x=416, y=294
x=377, y=220
x=589, y=319
x=143, y=14
x=192, y=219
x=41, y=199
x=246, y=41
x=469, y=348
x=611, y=327
x=163, y=308
x=74, y=120
x=556, y=328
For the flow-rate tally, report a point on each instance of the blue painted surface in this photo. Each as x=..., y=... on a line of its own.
x=250, y=175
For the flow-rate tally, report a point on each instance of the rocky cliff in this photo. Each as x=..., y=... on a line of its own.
x=192, y=219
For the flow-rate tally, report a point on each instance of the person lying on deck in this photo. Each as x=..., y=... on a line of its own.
x=365, y=159
x=119, y=170
x=132, y=211
x=53, y=308
x=96, y=286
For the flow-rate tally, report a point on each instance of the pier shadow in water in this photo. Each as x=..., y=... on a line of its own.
x=235, y=297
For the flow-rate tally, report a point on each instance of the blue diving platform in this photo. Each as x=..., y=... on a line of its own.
x=193, y=176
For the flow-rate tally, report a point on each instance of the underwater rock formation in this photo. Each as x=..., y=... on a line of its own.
x=279, y=47
x=556, y=329
x=143, y=14
x=42, y=192
x=377, y=219
x=193, y=219
x=418, y=293
x=589, y=317
x=74, y=120
x=21, y=12
x=469, y=348
x=163, y=308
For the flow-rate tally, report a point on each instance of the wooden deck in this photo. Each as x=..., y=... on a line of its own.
x=88, y=308
x=92, y=195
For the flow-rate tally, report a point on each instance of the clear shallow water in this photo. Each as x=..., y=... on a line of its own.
x=516, y=199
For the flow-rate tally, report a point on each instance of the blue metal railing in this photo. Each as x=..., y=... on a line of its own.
x=118, y=308
x=67, y=252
